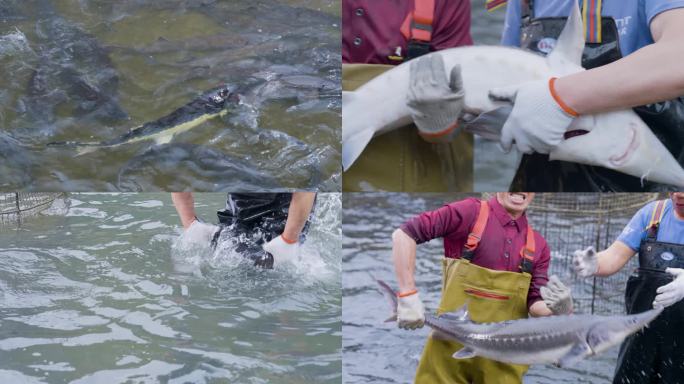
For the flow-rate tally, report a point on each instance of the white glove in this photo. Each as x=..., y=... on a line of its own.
x=585, y=262
x=282, y=251
x=199, y=233
x=557, y=296
x=672, y=292
x=435, y=102
x=410, y=312
x=537, y=122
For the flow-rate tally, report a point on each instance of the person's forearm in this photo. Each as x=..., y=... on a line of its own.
x=613, y=258
x=653, y=73
x=185, y=206
x=539, y=309
x=404, y=258
x=298, y=213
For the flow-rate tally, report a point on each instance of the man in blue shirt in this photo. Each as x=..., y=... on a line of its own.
x=655, y=354
x=634, y=54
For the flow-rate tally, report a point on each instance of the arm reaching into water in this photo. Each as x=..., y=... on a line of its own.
x=185, y=206
x=286, y=246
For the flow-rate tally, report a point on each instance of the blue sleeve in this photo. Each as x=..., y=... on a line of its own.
x=635, y=231
x=655, y=7
x=511, y=29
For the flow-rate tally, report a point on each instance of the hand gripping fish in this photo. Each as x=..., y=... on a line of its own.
x=561, y=340
x=617, y=140
x=162, y=131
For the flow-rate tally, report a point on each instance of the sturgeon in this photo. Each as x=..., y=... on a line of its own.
x=562, y=340
x=617, y=140
x=208, y=106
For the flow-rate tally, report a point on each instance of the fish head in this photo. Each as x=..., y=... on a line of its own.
x=222, y=96
x=611, y=330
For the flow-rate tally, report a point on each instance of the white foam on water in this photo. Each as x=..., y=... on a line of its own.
x=54, y=367
x=147, y=204
x=148, y=373
x=128, y=359
x=65, y=320
x=15, y=377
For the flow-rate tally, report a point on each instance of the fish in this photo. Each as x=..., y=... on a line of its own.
x=208, y=106
x=617, y=140
x=562, y=340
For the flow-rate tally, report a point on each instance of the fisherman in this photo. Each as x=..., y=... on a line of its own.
x=494, y=262
x=276, y=222
x=633, y=54
x=656, y=232
x=378, y=34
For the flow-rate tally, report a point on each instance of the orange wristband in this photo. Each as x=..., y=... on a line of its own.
x=443, y=132
x=409, y=293
x=561, y=103
x=285, y=239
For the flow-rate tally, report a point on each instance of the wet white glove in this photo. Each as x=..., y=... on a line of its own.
x=557, y=296
x=672, y=292
x=585, y=262
x=199, y=233
x=537, y=122
x=282, y=251
x=435, y=102
x=410, y=312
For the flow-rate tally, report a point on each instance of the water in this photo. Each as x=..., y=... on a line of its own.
x=99, y=295
x=494, y=169
x=90, y=70
x=376, y=352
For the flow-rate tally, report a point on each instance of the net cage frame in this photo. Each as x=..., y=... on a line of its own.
x=573, y=221
x=15, y=206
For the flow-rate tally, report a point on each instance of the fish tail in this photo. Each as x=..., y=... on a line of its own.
x=391, y=297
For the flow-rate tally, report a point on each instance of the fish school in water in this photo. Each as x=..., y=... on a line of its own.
x=400, y=191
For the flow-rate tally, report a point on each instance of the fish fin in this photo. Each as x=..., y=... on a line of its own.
x=391, y=296
x=567, y=54
x=578, y=352
x=488, y=125
x=461, y=314
x=439, y=335
x=464, y=353
x=84, y=150
x=352, y=148
x=163, y=139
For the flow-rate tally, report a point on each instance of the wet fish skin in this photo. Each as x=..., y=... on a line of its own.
x=617, y=140
x=209, y=105
x=562, y=340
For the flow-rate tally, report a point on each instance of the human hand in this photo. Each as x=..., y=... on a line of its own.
x=282, y=250
x=434, y=101
x=410, y=312
x=557, y=296
x=539, y=118
x=672, y=292
x=585, y=262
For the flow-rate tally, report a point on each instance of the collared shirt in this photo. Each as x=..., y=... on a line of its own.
x=502, y=239
x=371, y=28
x=670, y=230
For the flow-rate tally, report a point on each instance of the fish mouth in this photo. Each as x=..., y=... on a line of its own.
x=517, y=198
x=621, y=159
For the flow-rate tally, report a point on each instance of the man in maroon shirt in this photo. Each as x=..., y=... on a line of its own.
x=377, y=34
x=494, y=262
x=371, y=29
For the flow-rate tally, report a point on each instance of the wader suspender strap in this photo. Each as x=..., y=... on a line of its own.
x=591, y=17
x=491, y=5
x=417, y=28
x=475, y=235
x=656, y=217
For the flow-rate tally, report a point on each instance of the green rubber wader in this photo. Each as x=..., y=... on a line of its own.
x=400, y=160
x=492, y=296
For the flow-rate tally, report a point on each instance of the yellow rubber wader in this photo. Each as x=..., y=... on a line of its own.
x=491, y=296
x=401, y=160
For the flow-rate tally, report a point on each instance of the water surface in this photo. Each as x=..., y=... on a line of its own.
x=100, y=294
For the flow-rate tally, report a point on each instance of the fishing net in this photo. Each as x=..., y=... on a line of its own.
x=571, y=221
x=16, y=206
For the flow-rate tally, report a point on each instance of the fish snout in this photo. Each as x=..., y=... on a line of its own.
x=625, y=154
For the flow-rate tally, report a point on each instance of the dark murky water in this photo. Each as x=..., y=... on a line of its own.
x=90, y=70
